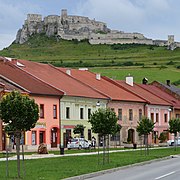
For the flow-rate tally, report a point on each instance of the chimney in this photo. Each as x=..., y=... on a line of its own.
x=129, y=80
x=168, y=82
x=98, y=76
x=68, y=71
x=145, y=80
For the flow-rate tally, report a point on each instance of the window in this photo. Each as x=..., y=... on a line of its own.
x=130, y=114
x=157, y=117
x=152, y=117
x=165, y=118
x=120, y=114
x=89, y=113
x=67, y=112
x=177, y=115
x=33, y=137
x=41, y=110
x=55, y=111
x=140, y=114
x=81, y=113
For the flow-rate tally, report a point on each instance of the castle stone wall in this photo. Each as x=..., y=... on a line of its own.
x=78, y=27
x=121, y=41
x=51, y=19
x=34, y=17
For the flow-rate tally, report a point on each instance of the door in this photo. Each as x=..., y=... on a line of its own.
x=41, y=137
x=54, y=137
x=67, y=136
x=131, y=135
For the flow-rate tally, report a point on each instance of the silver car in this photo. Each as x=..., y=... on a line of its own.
x=171, y=142
x=78, y=143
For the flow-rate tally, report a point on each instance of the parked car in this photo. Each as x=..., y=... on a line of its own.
x=171, y=142
x=78, y=143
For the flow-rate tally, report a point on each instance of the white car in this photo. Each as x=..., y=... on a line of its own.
x=78, y=143
x=171, y=142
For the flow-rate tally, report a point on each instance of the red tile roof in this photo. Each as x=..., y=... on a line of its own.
x=62, y=81
x=103, y=86
x=162, y=94
x=27, y=82
x=145, y=94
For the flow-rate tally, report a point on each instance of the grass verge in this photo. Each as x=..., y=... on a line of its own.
x=63, y=167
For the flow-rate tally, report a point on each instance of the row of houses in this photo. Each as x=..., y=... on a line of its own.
x=67, y=97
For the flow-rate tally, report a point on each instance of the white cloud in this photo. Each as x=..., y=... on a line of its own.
x=155, y=18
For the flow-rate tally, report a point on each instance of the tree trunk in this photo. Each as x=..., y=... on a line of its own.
x=104, y=151
x=18, y=152
x=175, y=135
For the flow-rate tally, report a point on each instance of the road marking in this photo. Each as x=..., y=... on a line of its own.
x=165, y=175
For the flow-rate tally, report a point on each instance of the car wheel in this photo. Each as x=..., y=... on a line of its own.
x=172, y=144
x=80, y=147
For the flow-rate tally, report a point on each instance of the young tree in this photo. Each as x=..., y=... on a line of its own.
x=20, y=113
x=145, y=127
x=79, y=129
x=104, y=122
x=174, y=127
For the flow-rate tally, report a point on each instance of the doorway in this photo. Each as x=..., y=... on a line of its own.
x=41, y=137
x=67, y=136
x=54, y=137
x=131, y=135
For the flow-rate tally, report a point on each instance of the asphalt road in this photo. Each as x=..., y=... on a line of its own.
x=168, y=169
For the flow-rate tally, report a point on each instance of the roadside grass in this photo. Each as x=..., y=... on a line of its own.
x=64, y=166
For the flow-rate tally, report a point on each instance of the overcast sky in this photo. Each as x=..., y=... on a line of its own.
x=155, y=19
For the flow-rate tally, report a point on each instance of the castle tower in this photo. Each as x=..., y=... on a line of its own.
x=64, y=13
x=170, y=39
x=171, y=44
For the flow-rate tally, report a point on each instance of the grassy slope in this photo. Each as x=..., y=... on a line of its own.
x=151, y=60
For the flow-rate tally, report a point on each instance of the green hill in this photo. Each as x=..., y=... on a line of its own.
x=157, y=63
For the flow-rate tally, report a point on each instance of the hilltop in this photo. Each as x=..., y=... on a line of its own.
x=112, y=59
x=70, y=27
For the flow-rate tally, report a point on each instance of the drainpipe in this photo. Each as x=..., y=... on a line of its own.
x=60, y=131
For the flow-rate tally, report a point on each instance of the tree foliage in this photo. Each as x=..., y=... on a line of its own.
x=18, y=111
x=78, y=129
x=174, y=126
x=145, y=126
x=104, y=122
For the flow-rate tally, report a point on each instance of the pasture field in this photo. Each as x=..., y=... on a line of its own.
x=116, y=61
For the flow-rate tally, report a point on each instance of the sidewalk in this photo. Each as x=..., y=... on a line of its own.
x=40, y=156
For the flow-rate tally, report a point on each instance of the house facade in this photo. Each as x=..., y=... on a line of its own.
x=67, y=97
x=75, y=106
x=47, y=97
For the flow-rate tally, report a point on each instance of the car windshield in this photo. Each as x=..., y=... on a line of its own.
x=74, y=140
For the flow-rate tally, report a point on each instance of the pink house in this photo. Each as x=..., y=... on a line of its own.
x=156, y=107
x=47, y=97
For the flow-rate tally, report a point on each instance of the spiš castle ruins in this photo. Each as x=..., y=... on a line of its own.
x=77, y=27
